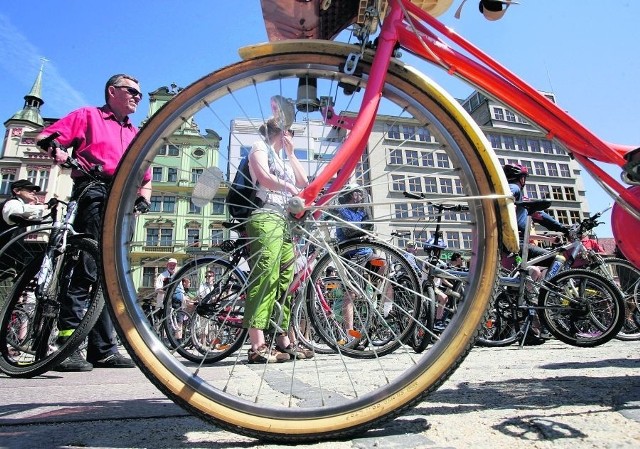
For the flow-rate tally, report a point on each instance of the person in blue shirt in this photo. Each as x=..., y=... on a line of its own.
x=517, y=177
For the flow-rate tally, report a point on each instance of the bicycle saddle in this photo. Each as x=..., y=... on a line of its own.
x=534, y=205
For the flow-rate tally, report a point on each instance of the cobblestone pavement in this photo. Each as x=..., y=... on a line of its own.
x=549, y=396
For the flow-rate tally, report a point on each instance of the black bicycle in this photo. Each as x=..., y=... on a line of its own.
x=47, y=255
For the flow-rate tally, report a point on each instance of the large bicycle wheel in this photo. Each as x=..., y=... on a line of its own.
x=215, y=325
x=627, y=278
x=33, y=348
x=581, y=308
x=308, y=399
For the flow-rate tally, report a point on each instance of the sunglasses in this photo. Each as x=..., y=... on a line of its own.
x=132, y=91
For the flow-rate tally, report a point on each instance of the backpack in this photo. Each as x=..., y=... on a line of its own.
x=241, y=199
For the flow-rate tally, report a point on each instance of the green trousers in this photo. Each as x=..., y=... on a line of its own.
x=272, y=265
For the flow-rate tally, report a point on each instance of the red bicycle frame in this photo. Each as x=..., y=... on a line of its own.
x=415, y=30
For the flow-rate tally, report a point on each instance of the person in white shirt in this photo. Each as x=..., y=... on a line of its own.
x=18, y=212
x=163, y=280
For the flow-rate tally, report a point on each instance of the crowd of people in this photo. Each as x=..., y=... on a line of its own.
x=99, y=136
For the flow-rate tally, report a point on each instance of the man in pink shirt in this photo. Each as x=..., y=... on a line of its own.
x=98, y=136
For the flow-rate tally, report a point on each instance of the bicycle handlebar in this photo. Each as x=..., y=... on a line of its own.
x=440, y=207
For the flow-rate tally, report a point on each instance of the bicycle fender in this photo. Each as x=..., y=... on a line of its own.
x=502, y=193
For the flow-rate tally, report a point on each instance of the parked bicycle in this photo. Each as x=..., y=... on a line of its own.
x=579, y=307
x=48, y=254
x=350, y=101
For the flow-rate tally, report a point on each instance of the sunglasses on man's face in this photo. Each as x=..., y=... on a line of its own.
x=132, y=90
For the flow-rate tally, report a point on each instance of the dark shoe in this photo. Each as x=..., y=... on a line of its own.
x=116, y=360
x=263, y=355
x=74, y=363
x=293, y=351
x=439, y=326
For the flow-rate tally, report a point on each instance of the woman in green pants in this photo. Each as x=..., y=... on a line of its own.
x=272, y=259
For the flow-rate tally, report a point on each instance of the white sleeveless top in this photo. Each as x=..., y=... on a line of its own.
x=278, y=168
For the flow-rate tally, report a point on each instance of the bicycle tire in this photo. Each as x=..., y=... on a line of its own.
x=214, y=333
x=626, y=277
x=406, y=383
x=502, y=326
x=40, y=352
x=594, y=321
x=423, y=333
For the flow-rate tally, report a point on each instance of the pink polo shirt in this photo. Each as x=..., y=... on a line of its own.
x=97, y=137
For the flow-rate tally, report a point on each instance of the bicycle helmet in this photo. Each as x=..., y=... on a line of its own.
x=347, y=193
x=513, y=172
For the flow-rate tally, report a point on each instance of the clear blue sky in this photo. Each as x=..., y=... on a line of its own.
x=585, y=51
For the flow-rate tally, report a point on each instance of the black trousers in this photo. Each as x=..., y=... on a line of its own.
x=102, y=341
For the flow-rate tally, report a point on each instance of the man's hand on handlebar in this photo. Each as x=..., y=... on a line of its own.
x=53, y=148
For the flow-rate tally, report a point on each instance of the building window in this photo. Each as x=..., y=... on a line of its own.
x=169, y=204
x=562, y=216
x=417, y=210
x=509, y=143
x=570, y=193
x=159, y=236
x=556, y=191
x=458, y=186
x=453, y=239
x=424, y=135
x=539, y=168
x=412, y=158
x=465, y=216
x=534, y=145
x=157, y=174
x=466, y=240
x=169, y=150
x=193, y=209
x=574, y=216
x=531, y=191
x=495, y=141
x=161, y=203
x=395, y=157
x=547, y=148
x=446, y=185
x=510, y=116
x=393, y=132
x=39, y=176
x=195, y=174
x=521, y=144
x=529, y=166
x=402, y=210
x=414, y=184
x=172, y=174
x=217, y=236
x=397, y=183
x=217, y=206
x=427, y=160
x=564, y=171
x=552, y=168
x=430, y=184
x=149, y=275
x=443, y=160
x=409, y=132
x=498, y=114
x=8, y=176
x=545, y=193
x=450, y=216
x=193, y=237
